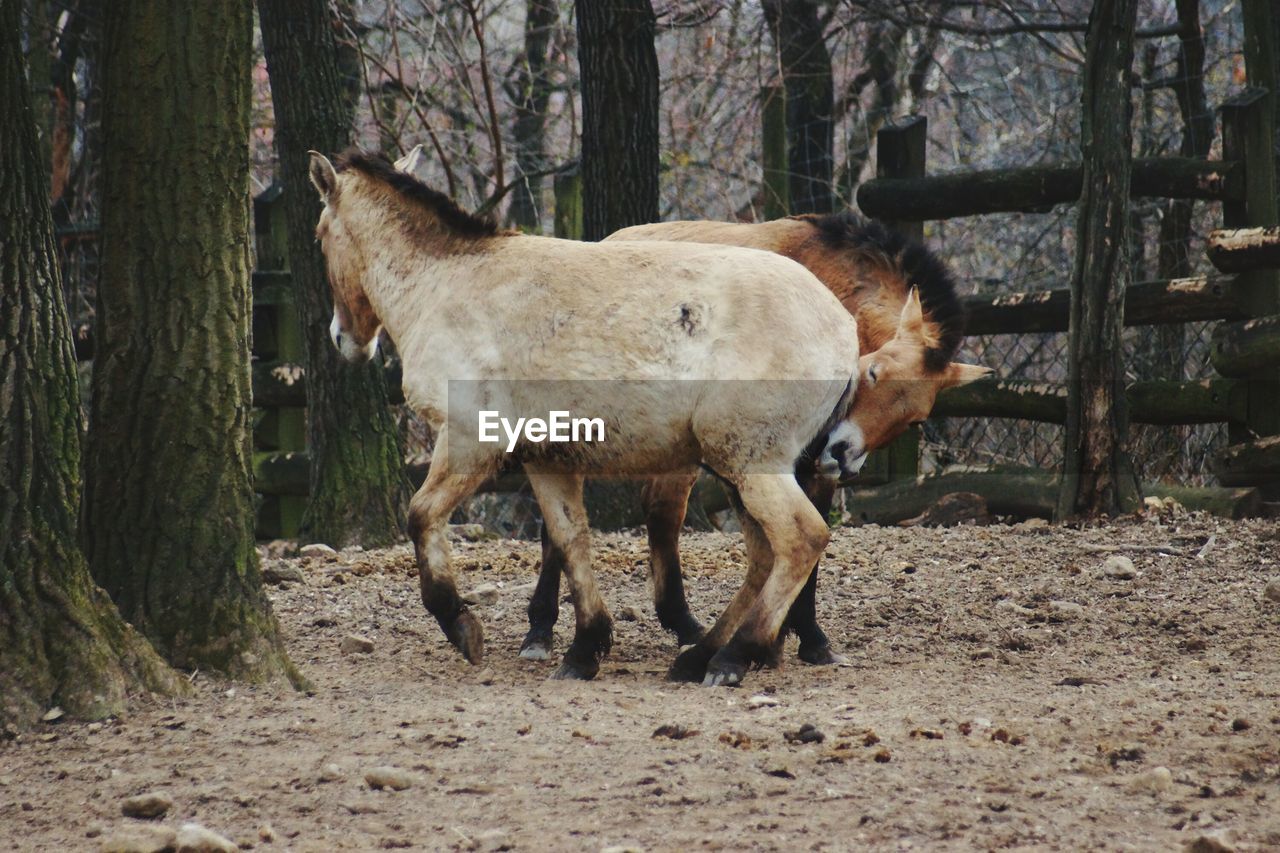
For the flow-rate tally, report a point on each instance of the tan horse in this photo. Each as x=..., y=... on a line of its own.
x=907, y=344
x=483, y=319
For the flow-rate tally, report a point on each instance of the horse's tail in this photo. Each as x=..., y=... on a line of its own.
x=818, y=443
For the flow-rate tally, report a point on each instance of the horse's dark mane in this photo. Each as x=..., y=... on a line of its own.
x=918, y=266
x=407, y=186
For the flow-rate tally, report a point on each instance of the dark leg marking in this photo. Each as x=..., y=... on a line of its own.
x=691, y=664
x=802, y=618
x=665, y=502
x=591, y=643
x=544, y=604
x=730, y=665
x=460, y=626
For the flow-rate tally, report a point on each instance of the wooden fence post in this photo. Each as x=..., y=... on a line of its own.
x=277, y=337
x=1248, y=135
x=900, y=153
x=773, y=135
x=568, y=212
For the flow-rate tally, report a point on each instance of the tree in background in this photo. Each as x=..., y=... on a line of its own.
x=806, y=76
x=619, y=74
x=62, y=641
x=1098, y=475
x=168, y=511
x=530, y=91
x=358, y=488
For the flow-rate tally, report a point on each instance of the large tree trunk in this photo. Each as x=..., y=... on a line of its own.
x=532, y=91
x=168, y=512
x=806, y=75
x=62, y=641
x=619, y=71
x=1098, y=476
x=359, y=492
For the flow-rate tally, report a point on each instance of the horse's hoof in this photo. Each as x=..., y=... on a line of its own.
x=467, y=635
x=576, y=669
x=690, y=665
x=723, y=671
x=536, y=647
x=821, y=656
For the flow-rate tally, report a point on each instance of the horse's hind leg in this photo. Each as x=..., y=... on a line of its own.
x=448, y=483
x=544, y=604
x=560, y=498
x=797, y=534
x=666, y=499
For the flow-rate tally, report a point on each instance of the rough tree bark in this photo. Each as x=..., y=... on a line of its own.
x=62, y=641
x=168, y=511
x=359, y=492
x=806, y=76
x=619, y=71
x=531, y=91
x=1098, y=476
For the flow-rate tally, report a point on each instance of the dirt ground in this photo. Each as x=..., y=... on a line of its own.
x=1002, y=691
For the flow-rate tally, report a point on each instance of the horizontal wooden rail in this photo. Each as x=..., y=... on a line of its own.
x=1166, y=402
x=1240, y=349
x=1039, y=188
x=1250, y=463
x=1022, y=493
x=281, y=473
x=1244, y=249
x=1179, y=300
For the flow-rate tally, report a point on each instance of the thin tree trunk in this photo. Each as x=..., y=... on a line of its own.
x=532, y=92
x=619, y=72
x=62, y=641
x=806, y=75
x=168, y=512
x=359, y=493
x=1098, y=476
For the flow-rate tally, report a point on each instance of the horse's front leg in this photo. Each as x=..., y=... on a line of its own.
x=448, y=483
x=560, y=498
x=544, y=604
x=691, y=664
x=797, y=535
x=666, y=499
x=815, y=648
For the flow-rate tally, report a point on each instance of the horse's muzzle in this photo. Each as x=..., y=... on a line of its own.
x=845, y=453
x=347, y=346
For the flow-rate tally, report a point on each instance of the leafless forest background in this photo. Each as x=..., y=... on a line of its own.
x=490, y=88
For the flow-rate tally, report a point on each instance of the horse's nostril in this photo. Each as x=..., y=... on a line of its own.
x=837, y=450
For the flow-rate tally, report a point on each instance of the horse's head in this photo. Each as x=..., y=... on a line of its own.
x=355, y=325
x=896, y=390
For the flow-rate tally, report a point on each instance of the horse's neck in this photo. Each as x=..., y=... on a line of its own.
x=405, y=279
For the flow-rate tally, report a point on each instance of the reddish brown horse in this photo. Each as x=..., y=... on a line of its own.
x=908, y=344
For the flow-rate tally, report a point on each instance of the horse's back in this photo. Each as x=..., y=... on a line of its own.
x=678, y=310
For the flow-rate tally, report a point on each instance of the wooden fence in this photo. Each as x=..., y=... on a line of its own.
x=1244, y=298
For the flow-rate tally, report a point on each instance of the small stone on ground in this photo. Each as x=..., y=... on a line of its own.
x=353, y=644
x=194, y=838
x=146, y=806
x=318, y=550
x=1120, y=568
x=389, y=777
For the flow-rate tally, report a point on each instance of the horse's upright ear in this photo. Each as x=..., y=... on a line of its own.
x=323, y=175
x=911, y=320
x=410, y=162
x=963, y=374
